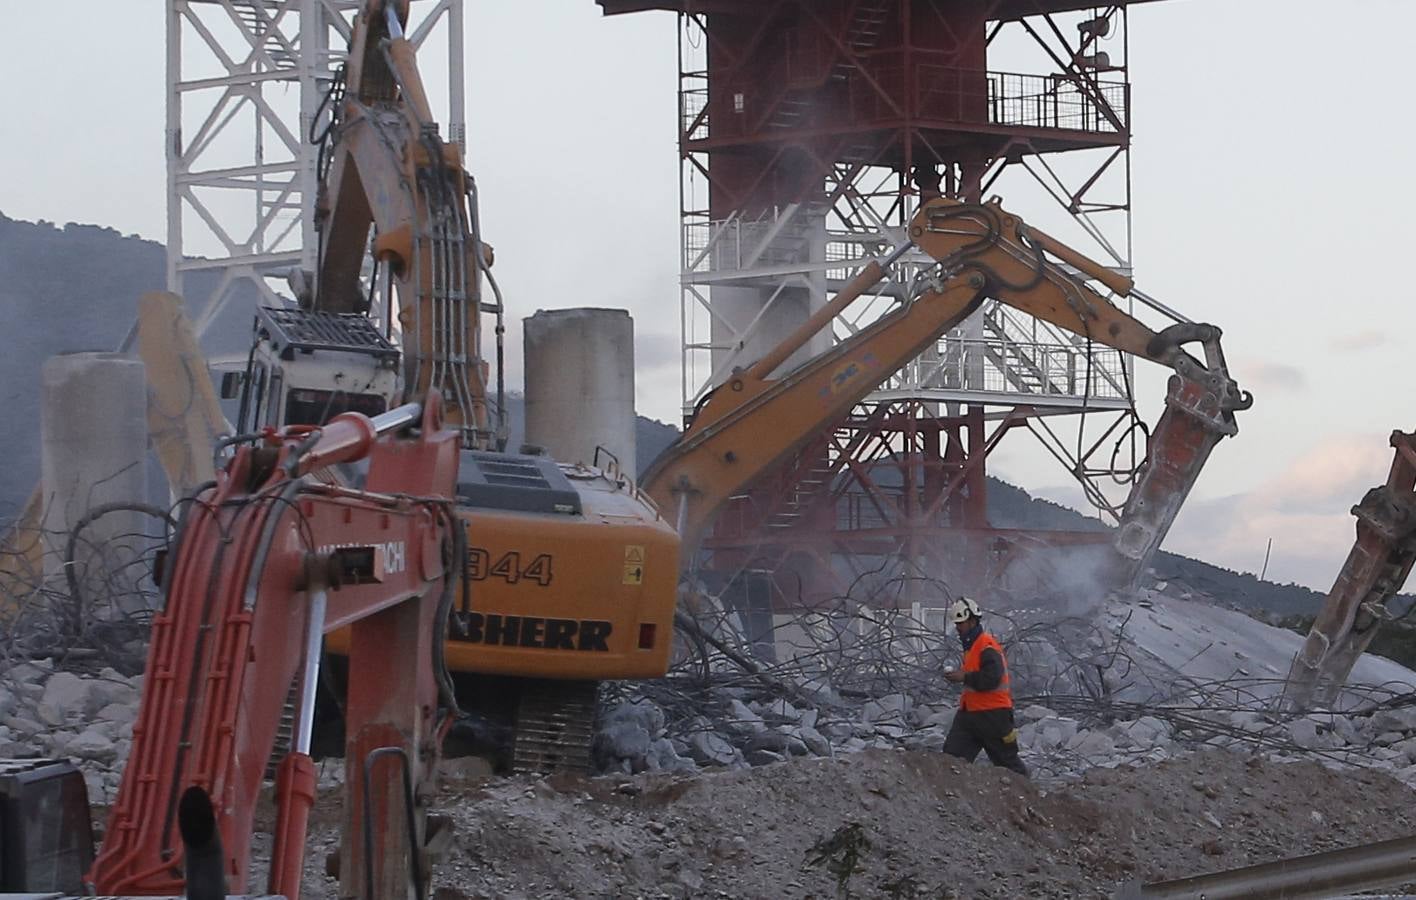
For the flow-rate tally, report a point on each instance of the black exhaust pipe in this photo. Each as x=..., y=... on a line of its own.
x=201, y=839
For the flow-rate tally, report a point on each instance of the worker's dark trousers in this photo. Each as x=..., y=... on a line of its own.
x=991, y=731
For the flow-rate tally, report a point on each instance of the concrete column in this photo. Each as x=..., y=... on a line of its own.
x=736, y=307
x=580, y=384
x=93, y=448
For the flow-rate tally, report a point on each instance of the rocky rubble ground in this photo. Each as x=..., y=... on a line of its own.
x=87, y=718
x=636, y=735
x=886, y=823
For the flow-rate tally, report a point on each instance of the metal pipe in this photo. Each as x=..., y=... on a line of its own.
x=867, y=279
x=398, y=417
x=1314, y=876
x=1114, y=280
x=309, y=681
x=1159, y=307
x=395, y=28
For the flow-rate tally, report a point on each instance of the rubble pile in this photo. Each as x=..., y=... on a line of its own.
x=87, y=718
x=888, y=824
x=638, y=737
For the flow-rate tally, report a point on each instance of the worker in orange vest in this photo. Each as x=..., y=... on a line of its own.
x=985, y=717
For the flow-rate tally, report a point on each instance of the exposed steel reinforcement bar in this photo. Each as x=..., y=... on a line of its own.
x=1315, y=876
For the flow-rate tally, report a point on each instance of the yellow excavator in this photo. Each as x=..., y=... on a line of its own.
x=760, y=416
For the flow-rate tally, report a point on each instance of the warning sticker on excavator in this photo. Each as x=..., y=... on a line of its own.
x=633, y=563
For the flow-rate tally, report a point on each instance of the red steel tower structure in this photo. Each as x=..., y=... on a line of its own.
x=809, y=132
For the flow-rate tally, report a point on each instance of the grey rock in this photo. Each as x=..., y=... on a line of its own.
x=1092, y=746
x=1401, y=719
x=1148, y=731
x=120, y=713
x=795, y=745
x=643, y=713
x=941, y=719
x=763, y=757
x=1249, y=720
x=53, y=716
x=19, y=750
x=94, y=746
x=29, y=673
x=820, y=690
x=1309, y=735
x=662, y=758
x=24, y=727
x=1035, y=712
x=783, y=710
x=106, y=693
x=815, y=741
x=931, y=740
x=1056, y=732
x=1406, y=775
x=768, y=740
x=1407, y=748
x=1387, y=738
x=68, y=692
x=8, y=703
x=891, y=707
x=709, y=749
x=622, y=741
x=460, y=767
x=744, y=721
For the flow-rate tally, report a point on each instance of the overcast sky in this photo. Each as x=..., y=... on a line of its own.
x=1273, y=196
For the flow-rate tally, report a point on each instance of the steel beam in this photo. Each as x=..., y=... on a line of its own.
x=1316, y=876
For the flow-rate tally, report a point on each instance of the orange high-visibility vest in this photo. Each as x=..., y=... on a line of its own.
x=1000, y=697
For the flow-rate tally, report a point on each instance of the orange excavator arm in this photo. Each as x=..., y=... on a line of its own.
x=759, y=416
x=389, y=172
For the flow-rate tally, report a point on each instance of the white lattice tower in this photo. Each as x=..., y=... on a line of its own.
x=246, y=81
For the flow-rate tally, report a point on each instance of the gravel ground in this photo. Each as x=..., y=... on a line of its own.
x=887, y=824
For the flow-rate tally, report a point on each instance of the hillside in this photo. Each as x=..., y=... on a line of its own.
x=75, y=288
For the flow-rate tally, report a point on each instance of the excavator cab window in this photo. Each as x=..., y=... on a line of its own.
x=311, y=407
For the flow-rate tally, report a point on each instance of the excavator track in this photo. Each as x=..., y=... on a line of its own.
x=555, y=724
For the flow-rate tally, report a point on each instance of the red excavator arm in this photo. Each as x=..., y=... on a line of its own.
x=1374, y=573
x=760, y=416
x=265, y=561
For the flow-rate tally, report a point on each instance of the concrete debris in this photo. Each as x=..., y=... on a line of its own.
x=86, y=718
x=751, y=832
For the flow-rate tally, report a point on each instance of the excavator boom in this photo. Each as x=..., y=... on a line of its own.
x=389, y=172
x=1374, y=573
x=265, y=562
x=759, y=416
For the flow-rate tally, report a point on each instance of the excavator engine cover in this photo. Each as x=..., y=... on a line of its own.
x=46, y=842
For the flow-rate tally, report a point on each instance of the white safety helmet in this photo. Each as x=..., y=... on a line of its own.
x=964, y=609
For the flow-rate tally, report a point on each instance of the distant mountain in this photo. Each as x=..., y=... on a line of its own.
x=75, y=288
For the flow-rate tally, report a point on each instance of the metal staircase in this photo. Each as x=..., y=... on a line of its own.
x=866, y=28
x=258, y=18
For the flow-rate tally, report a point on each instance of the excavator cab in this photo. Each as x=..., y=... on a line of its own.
x=307, y=367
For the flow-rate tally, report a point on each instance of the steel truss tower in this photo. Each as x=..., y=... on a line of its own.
x=246, y=84
x=809, y=132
